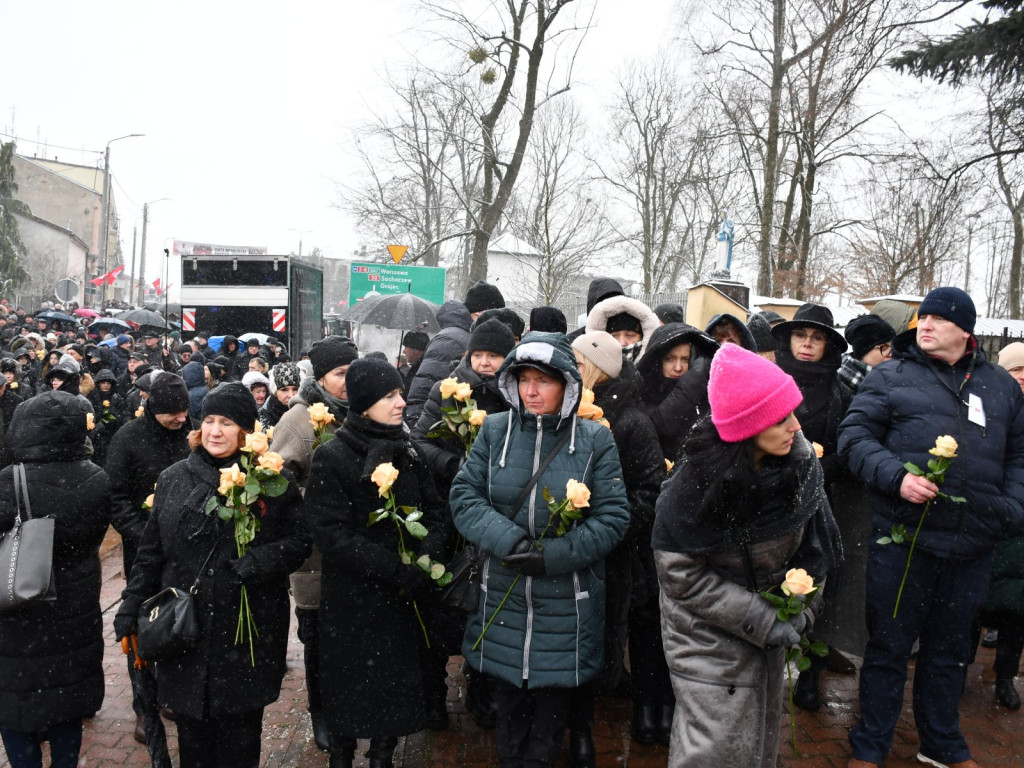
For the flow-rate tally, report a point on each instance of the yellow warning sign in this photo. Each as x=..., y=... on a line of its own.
x=397, y=252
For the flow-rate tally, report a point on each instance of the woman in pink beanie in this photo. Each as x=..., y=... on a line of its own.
x=745, y=504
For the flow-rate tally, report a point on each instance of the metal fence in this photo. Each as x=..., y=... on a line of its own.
x=573, y=308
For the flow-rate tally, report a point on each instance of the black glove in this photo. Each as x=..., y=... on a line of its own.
x=785, y=633
x=415, y=582
x=699, y=365
x=124, y=624
x=526, y=558
x=244, y=568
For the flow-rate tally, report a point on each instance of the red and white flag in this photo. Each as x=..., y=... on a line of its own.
x=112, y=274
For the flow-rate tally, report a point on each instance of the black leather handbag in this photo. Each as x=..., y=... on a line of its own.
x=167, y=621
x=463, y=590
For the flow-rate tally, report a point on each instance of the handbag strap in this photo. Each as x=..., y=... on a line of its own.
x=528, y=488
x=195, y=584
x=21, y=493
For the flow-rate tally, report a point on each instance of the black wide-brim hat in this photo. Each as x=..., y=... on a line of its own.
x=812, y=316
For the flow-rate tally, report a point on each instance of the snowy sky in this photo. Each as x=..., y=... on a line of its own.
x=247, y=108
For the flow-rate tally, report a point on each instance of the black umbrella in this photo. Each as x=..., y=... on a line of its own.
x=355, y=312
x=172, y=308
x=52, y=315
x=144, y=317
x=401, y=311
x=111, y=324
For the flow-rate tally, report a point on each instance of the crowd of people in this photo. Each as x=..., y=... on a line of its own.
x=640, y=497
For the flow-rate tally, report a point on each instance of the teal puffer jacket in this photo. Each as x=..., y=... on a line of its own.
x=550, y=630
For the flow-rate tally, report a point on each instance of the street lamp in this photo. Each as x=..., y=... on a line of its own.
x=142, y=253
x=300, y=233
x=105, y=224
x=972, y=219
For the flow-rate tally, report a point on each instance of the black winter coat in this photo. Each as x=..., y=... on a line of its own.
x=136, y=456
x=370, y=639
x=445, y=456
x=216, y=677
x=440, y=357
x=675, y=405
x=899, y=410
x=51, y=654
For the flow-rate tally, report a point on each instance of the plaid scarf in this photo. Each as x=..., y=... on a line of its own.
x=852, y=371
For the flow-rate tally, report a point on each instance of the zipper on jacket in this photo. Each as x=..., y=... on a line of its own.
x=533, y=534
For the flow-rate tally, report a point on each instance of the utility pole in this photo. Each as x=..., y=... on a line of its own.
x=131, y=286
x=105, y=223
x=142, y=254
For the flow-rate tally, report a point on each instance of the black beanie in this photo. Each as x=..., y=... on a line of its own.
x=951, y=303
x=491, y=336
x=368, y=380
x=624, y=322
x=330, y=353
x=671, y=313
x=167, y=393
x=506, y=315
x=866, y=332
x=761, y=330
x=483, y=296
x=416, y=340
x=234, y=401
x=548, y=320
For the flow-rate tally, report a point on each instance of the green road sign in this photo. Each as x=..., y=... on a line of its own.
x=425, y=282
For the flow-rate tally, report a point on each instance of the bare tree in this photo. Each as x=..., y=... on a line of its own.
x=556, y=208
x=420, y=168
x=663, y=168
x=509, y=45
x=911, y=238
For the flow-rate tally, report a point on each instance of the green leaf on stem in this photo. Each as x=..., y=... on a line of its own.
x=958, y=499
x=225, y=513
x=803, y=664
x=547, y=495
x=913, y=469
x=412, y=514
x=782, y=615
x=933, y=465
x=376, y=516
x=885, y=540
x=211, y=504
x=819, y=648
x=275, y=486
x=417, y=530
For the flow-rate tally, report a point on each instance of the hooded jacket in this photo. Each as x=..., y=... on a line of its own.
x=441, y=355
x=551, y=629
x=746, y=337
x=600, y=288
x=900, y=409
x=598, y=316
x=51, y=654
x=195, y=379
x=675, y=405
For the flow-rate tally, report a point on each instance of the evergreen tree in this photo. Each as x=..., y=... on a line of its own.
x=991, y=46
x=12, y=249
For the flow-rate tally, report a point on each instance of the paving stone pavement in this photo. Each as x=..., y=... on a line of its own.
x=996, y=735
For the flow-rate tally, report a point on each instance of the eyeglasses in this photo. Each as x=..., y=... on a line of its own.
x=884, y=349
x=815, y=337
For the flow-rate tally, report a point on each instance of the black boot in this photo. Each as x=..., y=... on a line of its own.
x=581, y=749
x=321, y=735
x=644, y=724
x=663, y=722
x=382, y=752
x=1006, y=694
x=342, y=753
x=806, y=694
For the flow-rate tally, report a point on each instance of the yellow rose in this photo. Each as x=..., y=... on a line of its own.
x=798, y=582
x=90, y=423
x=270, y=433
x=669, y=465
x=578, y=494
x=258, y=426
x=106, y=403
x=14, y=385
x=448, y=387
x=819, y=449
x=462, y=391
x=229, y=478
x=384, y=476
x=945, y=447
x=148, y=503
x=40, y=354
x=319, y=416
x=476, y=417
x=139, y=411
x=272, y=462
x=257, y=443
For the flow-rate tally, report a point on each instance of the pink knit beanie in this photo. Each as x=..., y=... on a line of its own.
x=748, y=394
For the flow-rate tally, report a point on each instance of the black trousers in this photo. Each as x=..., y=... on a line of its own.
x=531, y=724
x=309, y=636
x=231, y=741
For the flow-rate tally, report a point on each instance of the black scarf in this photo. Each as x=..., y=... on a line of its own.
x=820, y=412
x=382, y=443
x=196, y=524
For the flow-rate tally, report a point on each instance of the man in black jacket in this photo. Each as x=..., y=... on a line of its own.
x=938, y=384
x=136, y=456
